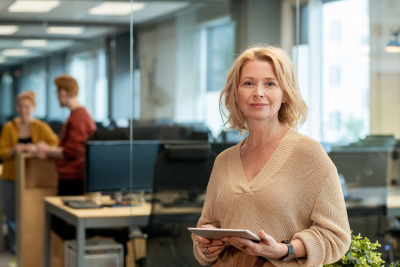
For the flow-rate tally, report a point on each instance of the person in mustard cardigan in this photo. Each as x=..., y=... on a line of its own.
x=17, y=136
x=277, y=182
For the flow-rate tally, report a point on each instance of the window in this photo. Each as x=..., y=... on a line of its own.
x=7, y=101
x=218, y=40
x=335, y=31
x=220, y=55
x=334, y=75
x=89, y=69
x=333, y=70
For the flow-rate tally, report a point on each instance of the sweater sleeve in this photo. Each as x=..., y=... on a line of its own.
x=6, y=142
x=48, y=135
x=207, y=215
x=328, y=239
x=77, y=135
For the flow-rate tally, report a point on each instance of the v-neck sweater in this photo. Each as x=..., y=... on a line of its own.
x=296, y=195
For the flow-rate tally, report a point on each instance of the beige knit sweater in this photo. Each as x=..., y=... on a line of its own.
x=297, y=195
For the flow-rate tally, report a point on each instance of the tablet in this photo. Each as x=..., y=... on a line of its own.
x=219, y=233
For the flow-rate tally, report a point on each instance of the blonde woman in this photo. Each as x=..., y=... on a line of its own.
x=278, y=183
x=17, y=136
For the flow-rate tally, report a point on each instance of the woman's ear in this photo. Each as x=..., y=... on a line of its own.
x=284, y=98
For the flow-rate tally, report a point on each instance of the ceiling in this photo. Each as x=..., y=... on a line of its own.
x=34, y=26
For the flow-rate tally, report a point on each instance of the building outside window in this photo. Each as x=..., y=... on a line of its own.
x=333, y=69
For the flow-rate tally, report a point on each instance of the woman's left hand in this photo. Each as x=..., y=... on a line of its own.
x=267, y=247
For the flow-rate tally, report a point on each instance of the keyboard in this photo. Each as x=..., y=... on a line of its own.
x=81, y=204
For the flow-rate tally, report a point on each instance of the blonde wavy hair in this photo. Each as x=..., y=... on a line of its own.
x=292, y=113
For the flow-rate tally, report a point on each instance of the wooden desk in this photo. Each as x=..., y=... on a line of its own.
x=84, y=219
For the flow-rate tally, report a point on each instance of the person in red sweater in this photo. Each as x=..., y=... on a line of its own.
x=78, y=128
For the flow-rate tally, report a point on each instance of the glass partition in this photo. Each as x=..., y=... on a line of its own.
x=151, y=73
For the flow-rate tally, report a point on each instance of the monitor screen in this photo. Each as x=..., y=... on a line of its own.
x=110, y=166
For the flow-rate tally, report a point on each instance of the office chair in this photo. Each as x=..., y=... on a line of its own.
x=392, y=233
x=181, y=177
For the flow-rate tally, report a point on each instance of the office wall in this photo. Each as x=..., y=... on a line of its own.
x=169, y=54
x=56, y=66
x=384, y=69
x=157, y=62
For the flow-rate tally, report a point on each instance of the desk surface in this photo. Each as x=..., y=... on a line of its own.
x=105, y=212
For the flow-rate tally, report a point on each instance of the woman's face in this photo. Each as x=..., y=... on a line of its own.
x=259, y=94
x=25, y=108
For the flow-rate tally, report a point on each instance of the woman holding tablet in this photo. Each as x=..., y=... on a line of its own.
x=277, y=182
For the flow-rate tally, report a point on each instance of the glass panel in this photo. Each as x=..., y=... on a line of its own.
x=345, y=53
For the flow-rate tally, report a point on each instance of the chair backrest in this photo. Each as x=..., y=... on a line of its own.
x=181, y=176
x=183, y=167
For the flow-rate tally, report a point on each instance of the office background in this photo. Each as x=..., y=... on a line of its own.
x=166, y=63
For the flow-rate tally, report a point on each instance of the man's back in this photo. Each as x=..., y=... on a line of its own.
x=74, y=135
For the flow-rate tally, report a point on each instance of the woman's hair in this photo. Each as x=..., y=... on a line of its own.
x=67, y=83
x=292, y=113
x=30, y=95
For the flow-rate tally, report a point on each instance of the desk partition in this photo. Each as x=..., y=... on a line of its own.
x=36, y=178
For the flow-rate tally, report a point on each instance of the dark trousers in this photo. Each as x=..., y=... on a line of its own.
x=66, y=188
x=70, y=187
x=9, y=210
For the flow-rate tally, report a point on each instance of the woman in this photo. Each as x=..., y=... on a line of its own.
x=17, y=136
x=276, y=182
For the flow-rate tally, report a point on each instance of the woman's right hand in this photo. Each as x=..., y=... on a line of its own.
x=210, y=247
x=19, y=148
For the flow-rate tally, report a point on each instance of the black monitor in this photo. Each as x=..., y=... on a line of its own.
x=108, y=166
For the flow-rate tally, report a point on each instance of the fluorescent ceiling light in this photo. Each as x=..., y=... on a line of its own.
x=15, y=52
x=34, y=43
x=8, y=29
x=116, y=8
x=33, y=6
x=2, y=60
x=65, y=30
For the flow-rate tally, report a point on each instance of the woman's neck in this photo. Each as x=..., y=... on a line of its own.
x=25, y=121
x=265, y=133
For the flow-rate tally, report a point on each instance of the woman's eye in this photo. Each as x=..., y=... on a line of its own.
x=270, y=84
x=247, y=83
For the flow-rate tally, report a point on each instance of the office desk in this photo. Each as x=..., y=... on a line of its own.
x=393, y=202
x=84, y=219
x=367, y=201
x=375, y=201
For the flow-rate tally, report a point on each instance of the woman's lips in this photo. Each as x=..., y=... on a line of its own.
x=258, y=105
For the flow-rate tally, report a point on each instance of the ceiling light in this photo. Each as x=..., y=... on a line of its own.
x=34, y=43
x=33, y=6
x=65, y=30
x=116, y=8
x=8, y=29
x=2, y=60
x=15, y=52
x=393, y=46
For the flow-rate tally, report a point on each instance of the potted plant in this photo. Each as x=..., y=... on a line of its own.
x=361, y=253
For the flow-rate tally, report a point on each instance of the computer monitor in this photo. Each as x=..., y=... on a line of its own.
x=108, y=166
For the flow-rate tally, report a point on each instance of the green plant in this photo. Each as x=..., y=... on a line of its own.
x=395, y=264
x=361, y=253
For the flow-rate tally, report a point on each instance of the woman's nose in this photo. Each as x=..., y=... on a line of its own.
x=258, y=91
